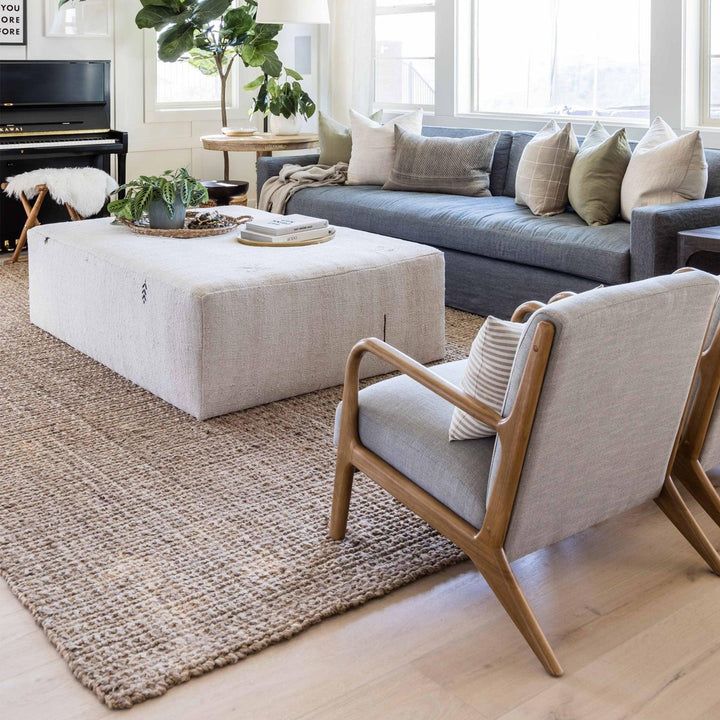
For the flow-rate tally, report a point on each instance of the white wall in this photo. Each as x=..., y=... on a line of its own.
x=156, y=143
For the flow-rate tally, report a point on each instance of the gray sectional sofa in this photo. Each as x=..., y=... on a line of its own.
x=497, y=253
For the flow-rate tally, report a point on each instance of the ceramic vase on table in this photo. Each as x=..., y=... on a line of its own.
x=160, y=218
x=280, y=125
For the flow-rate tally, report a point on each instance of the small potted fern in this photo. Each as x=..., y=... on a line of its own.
x=164, y=198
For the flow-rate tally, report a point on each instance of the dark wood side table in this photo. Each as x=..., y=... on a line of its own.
x=706, y=240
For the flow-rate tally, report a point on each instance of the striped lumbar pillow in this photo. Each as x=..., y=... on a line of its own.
x=487, y=374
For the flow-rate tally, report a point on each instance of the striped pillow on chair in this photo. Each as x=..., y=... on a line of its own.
x=487, y=374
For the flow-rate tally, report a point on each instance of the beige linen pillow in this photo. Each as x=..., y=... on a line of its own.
x=455, y=166
x=544, y=170
x=597, y=175
x=487, y=374
x=336, y=139
x=373, y=147
x=664, y=169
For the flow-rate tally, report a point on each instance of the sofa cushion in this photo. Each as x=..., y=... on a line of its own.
x=498, y=173
x=457, y=166
x=544, y=170
x=493, y=227
x=407, y=426
x=664, y=169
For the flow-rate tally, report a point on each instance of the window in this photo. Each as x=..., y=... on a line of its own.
x=711, y=74
x=405, y=53
x=569, y=58
x=179, y=84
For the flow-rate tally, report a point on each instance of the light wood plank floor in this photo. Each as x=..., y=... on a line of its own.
x=629, y=607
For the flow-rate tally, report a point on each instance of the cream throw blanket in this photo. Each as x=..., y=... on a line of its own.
x=85, y=189
x=277, y=191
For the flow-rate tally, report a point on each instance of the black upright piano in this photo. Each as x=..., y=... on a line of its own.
x=53, y=113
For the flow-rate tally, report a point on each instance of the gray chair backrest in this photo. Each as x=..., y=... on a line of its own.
x=617, y=382
x=710, y=455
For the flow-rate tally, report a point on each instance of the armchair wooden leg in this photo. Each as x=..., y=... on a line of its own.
x=691, y=474
x=672, y=504
x=498, y=574
x=344, y=473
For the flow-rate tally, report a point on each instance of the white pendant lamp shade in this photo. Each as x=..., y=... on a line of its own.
x=293, y=11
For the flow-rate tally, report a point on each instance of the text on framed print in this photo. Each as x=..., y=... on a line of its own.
x=13, y=22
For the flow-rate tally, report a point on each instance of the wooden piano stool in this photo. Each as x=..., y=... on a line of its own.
x=32, y=210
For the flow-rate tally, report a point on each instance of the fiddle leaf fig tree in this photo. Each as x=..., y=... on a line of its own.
x=211, y=35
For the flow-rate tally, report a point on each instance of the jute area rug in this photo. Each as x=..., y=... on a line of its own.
x=152, y=548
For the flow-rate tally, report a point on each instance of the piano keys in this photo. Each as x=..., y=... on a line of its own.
x=53, y=114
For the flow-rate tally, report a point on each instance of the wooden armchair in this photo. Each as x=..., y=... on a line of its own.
x=699, y=449
x=589, y=430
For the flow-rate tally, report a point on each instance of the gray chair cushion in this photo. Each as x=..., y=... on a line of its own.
x=407, y=426
x=493, y=227
x=619, y=375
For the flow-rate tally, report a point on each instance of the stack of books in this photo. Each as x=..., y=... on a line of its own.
x=287, y=229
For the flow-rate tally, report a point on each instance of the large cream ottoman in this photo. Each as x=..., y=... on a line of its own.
x=212, y=326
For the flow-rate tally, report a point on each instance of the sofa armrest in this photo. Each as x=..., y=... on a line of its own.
x=269, y=167
x=654, y=233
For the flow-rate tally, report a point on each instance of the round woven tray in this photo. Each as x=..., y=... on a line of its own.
x=186, y=232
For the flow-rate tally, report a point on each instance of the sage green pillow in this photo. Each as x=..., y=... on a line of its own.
x=336, y=139
x=597, y=174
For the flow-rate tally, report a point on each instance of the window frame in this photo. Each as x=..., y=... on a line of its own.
x=417, y=7
x=156, y=112
x=475, y=113
x=706, y=58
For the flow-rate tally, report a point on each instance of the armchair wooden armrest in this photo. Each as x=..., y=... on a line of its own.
x=525, y=310
x=413, y=369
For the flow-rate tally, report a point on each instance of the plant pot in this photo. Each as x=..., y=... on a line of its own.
x=160, y=219
x=280, y=125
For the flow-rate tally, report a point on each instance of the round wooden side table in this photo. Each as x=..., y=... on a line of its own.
x=262, y=144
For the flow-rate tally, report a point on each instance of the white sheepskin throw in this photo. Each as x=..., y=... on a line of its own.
x=85, y=189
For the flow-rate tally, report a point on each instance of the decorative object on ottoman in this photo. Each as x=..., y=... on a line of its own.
x=543, y=174
x=373, y=149
x=336, y=139
x=165, y=198
x=664, y=169
x=455, y=166
x=287, y=231
x=227, y=326
x=198, y=224
x=83, y=192
x=597, y=175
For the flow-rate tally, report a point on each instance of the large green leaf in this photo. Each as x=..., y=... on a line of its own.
x=175, y=42
x=236, y=24
x=154, y=17
x=208, y=11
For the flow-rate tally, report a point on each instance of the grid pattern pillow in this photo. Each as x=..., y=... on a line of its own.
x=487, y=374
x=455, y=166
x=664, y=169
x=543, y=173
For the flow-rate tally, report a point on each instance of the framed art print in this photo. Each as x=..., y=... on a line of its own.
x=77, y=19
x=13, y=22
